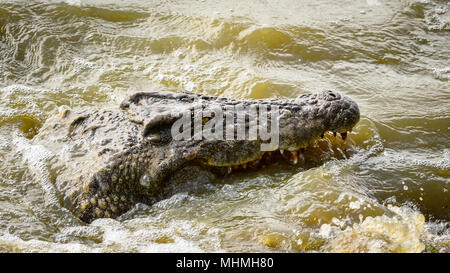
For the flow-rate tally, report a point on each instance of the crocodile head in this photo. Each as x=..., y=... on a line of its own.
x=107, y=160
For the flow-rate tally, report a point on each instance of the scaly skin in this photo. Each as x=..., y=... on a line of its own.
x=108, y=160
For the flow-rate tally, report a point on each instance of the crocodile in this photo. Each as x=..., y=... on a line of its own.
x=110, y=159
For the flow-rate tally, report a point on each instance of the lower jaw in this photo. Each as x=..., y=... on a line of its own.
x=320, y=150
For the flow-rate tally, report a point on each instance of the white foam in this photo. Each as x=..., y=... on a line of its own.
x=398, y=233
x=22, y=89
x=441, y=73
x=173, y=201
x=36, y=157
x=82, y=63
x=373, y=2
x=355, y=205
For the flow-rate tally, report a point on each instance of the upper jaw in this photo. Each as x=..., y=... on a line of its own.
x=318, y=114
x=301, y=122
x=345, y=116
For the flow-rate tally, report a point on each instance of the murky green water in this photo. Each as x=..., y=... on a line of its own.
x=392, y=57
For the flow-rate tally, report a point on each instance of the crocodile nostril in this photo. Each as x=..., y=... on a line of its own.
x=331, y=95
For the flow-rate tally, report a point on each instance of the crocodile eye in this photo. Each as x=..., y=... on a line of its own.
x=154, y=137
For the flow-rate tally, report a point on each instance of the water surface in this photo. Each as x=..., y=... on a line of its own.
x=392, y=57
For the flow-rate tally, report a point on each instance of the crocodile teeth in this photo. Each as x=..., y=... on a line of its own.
x=294, y=157
x=344, y=136
x=281, y=151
